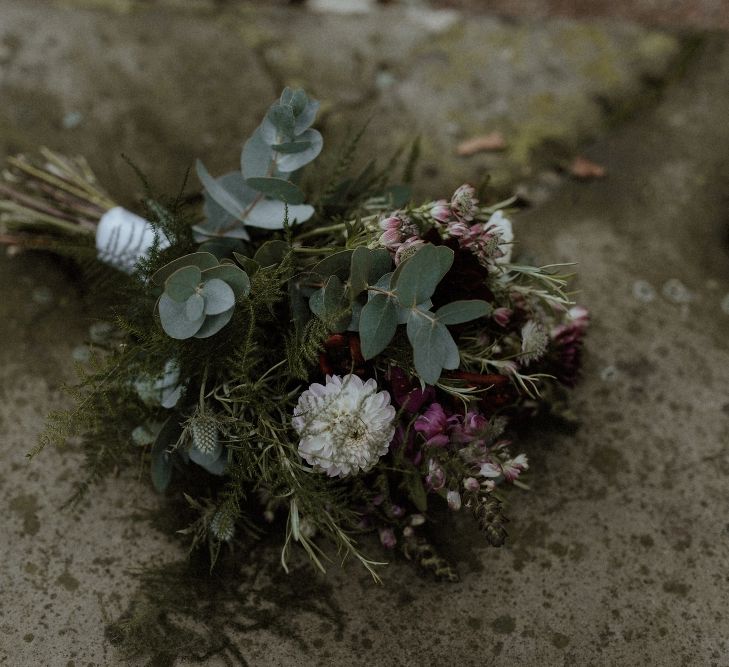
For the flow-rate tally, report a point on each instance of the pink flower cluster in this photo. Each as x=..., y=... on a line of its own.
x=472, y=434
x=397, y=229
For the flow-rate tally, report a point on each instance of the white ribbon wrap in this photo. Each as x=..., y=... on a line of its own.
x=123, y=238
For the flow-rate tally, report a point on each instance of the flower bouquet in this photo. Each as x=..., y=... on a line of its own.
x=337, y=367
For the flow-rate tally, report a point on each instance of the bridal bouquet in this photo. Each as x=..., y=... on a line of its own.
x=335, y=365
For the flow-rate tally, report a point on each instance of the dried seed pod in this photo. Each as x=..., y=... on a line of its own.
x=488, y=511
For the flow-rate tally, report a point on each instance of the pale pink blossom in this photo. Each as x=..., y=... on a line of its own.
x=471, y=484
x=512, y=468
x=396, y=228
x=436, y=477
x=441, y=211
x=502, y=316
x=464, y=202
x=407, y=249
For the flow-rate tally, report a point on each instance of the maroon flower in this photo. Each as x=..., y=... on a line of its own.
x=434, y=425
x=406, y=394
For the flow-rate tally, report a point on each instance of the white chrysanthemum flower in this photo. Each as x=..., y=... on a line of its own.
x=534, y=342
x=345, y=425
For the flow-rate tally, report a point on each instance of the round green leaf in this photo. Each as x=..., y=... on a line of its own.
x=458, y=312
x=291, y=158
x=173, y=317
x=377, y=325
x=231, y=274
x=277, y=188
x=203, y=260
x=218, y=295
x=417, y=278
x=194, y=307
x=255, y=160
x=214, y=323
x=181, y=285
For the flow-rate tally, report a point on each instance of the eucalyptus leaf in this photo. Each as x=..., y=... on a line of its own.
x=356, y=313
x=232, y=275
x=174, y=321
x=222, y=196
x=416, y=491
x=271, y=253
x=336, y=264
x=183, y=283
x=256, y=157
x=367, y=267
x=416, y=278
x=270, y=214
x=194, y=307
x=377, y=325
x=249, y=265
x=297, y=99
x=222, y=247
x=300, y=310
x=306, y=117
x=291, y=160
x=278, y=125
x=277, y=188
x=404, y=313
x=218, y=296
x=433, y=348
x=458, y=312
x=316, y=303
x=292, y=147
x=203, y=260
x=214, y=323
x=161, y=460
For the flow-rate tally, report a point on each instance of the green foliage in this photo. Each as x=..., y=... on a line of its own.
x=258, y=194
x=199, y=295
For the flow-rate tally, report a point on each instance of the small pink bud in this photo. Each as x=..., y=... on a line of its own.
x=408, y=531
x=417, y=520
x=387, y=537
x=441, y=211
x=502, y=316
x=471, y=484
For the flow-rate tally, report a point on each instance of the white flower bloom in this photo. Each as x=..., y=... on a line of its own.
x=501, y=225
x=489, y=469
x=454, y=500
x=345, y=426
x=534, y=341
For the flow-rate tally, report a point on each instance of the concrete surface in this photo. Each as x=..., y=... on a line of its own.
x=620, y=554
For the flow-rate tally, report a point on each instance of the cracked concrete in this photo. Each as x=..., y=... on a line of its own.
x=619, y=555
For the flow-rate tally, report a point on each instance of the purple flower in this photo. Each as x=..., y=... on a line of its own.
x=471, y=429
x=408, y=396
x=434, y=424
